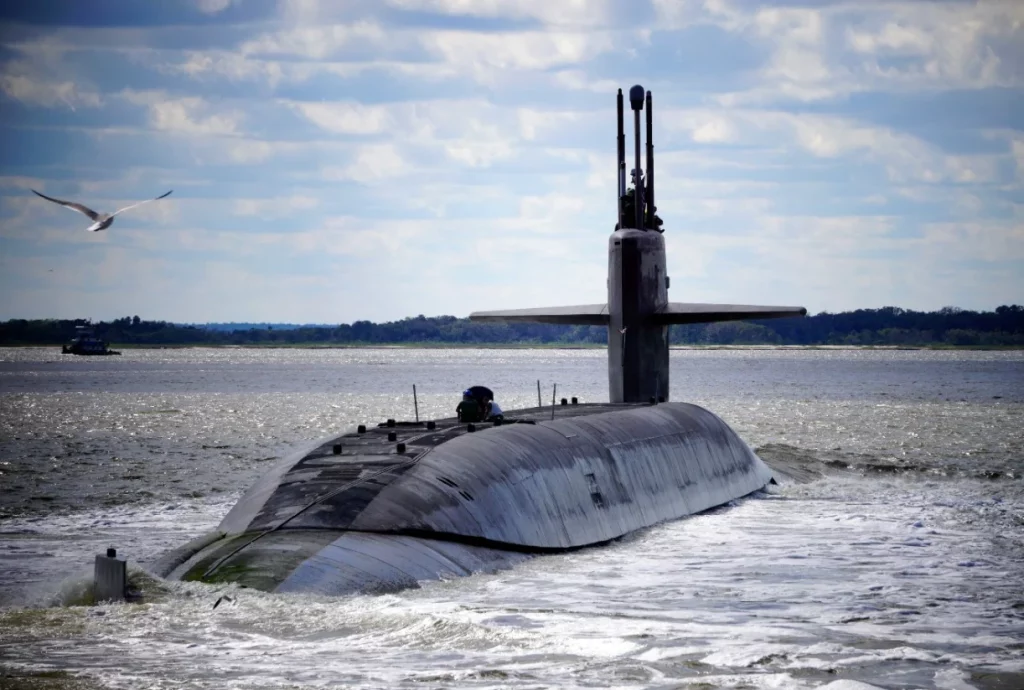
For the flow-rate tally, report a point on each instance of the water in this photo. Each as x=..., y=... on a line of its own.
x=902, y=567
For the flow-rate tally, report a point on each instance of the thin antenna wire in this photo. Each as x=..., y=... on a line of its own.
x=649, y=192
x=415, y=403
x=554, y=389
x=539, y=403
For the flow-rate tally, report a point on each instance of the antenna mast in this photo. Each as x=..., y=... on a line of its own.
x=649, y=196
x=620, y=165
x=636, y=102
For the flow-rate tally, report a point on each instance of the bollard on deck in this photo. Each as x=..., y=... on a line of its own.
x=110, y=578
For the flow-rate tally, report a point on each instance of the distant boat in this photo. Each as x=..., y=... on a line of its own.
x=86, y=343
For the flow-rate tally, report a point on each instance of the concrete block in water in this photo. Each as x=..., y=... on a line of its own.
x=110, y=577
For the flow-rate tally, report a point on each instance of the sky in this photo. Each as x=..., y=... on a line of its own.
x=378, y=159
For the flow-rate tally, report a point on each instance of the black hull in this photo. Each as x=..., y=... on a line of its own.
x=383, y=515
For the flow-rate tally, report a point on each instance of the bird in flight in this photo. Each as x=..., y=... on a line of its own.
x=102, y=221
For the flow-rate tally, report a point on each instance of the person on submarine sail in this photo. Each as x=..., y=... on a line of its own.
x=629, y=203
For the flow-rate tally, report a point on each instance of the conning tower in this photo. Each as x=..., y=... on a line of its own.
x=638, y=313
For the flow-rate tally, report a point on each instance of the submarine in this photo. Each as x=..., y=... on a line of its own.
x=387, y=507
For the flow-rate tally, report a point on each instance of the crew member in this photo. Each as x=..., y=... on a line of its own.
x=494, y=410
x=469, y=410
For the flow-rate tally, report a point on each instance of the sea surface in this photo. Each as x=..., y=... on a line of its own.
x=897, y=563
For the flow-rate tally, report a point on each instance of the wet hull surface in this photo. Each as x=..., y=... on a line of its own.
x=401, y=503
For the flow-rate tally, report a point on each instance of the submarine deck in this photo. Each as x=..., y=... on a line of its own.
x=391, y=495
x=419, y=437
x=330, y=483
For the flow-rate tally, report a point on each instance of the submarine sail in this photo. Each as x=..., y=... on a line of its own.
x=638, y=312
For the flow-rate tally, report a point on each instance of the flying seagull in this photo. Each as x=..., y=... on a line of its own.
x=102, y=220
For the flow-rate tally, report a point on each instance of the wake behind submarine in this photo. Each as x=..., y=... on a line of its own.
x=381, y=509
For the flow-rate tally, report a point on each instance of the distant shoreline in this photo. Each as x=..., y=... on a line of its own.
x=517, y=346
x=888, y=327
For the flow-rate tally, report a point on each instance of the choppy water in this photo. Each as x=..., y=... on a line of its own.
x=903, y=567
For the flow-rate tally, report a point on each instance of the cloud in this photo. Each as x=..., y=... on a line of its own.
x=372, y=163
x=481, y=55
x=48, y=94
x=904, y=157
x=346, y=117
x=38, y=73
x=182, y=115
x=842, y=48
x=533, y=122
x=276, y=207
x=704, y=126
x=983, y=241
x=714, y=131
x=892, y=38
x=188, y=115
x=577, y=13
x=436, y=53
x=233, y=66
x=18, y=182
x=578, y=80
x=472, y=132
x=250, y=151
x=481, y=145
x=798, y=36
x=213, y=6
x=316, y=42
x=553, y=210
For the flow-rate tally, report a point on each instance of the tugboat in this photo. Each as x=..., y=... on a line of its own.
x=86, y=343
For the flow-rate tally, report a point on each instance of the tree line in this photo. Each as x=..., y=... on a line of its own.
x=950, y=326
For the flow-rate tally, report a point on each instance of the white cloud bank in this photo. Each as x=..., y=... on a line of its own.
x=318, y=151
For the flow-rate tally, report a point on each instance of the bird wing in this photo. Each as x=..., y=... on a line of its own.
x=138, y=204
x=70, y=204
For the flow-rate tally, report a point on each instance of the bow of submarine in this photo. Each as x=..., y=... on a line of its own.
x=352, y=514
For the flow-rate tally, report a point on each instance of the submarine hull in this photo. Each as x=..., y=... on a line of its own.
x=362, y=513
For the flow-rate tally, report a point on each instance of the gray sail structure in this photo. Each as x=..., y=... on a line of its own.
x=638, y=312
